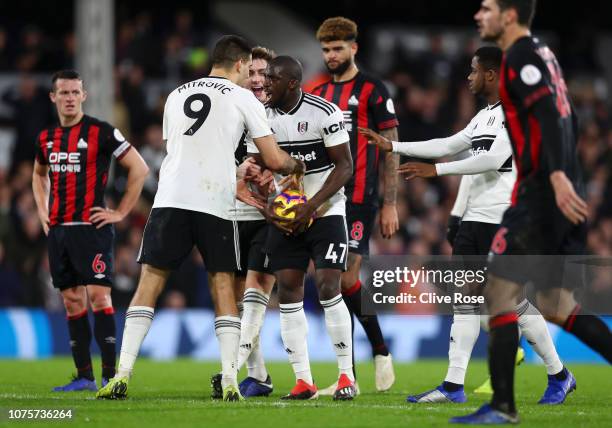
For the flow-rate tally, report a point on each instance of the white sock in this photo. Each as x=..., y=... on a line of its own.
x=534, y=328
x=484, y=322
x=463, y=335
x=255, y=304
x=294, y=330
x=338, y=323
x=138, y=320
x=240, y=306
x=227, y=329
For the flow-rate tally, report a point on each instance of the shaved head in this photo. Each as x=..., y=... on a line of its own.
x=288, y=67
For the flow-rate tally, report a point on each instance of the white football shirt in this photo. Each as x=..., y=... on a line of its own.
x=203, y=123
x=305, y=132
x=490, y=192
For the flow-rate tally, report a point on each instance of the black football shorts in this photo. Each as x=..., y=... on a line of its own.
x=360, y=222
x=81, y=255
x=325, y=242
x=171, y=233
x=537, y=245
x=253, y=236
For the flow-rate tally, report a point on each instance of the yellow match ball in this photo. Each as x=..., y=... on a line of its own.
x=286, y=200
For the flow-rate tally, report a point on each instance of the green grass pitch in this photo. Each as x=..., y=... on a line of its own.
x=176, y=394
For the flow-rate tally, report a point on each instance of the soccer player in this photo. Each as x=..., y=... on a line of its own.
x=547, y=215
x=254, y=281
x=492, y=178
x=365, y=102
x=195, y=202
x=313, y=130
x=70, y=173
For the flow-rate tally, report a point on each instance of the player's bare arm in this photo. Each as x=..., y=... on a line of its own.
x=276, y=159
x=389, y=221
x=340, y=156
x=40, y=187
x=137, y=173
x=381, y=141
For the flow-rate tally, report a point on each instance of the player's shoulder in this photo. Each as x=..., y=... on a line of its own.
x=106, y=129
x=370, y=79
x=524, y=51
x=101, y=124
x=319, y=104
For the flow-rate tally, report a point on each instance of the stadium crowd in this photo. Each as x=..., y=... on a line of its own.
x=431, y=100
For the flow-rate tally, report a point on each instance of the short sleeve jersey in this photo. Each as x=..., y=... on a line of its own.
x=204, y=121
x=306, y=132
x=78, y=157
x=364, y=102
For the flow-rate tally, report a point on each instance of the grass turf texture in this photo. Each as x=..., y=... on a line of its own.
x=176, y=394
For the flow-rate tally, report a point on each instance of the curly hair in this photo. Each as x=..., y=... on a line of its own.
x=337, y=28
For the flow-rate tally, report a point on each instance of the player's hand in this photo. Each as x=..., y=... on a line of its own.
x=573, y=207
x=265, y=183
x=244, y=194
x=280, y=222
x=248, y=169
x=452, y=228
x=44, y=221
x=303, y=216
x=376, y=139
x=389, y=222
x=300, y=168
x=417, y=169
x=103, y=216
x=292, y=182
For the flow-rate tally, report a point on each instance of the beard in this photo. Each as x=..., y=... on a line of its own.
x=340, y=69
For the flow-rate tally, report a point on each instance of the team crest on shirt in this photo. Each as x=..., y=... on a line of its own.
x=302, y=127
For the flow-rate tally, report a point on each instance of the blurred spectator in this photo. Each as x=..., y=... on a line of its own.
x=6, y=62
x=153, y=152
x=32, y=113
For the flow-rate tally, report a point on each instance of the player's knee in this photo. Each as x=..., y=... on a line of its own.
x=100, y=299
x=328, y=286
x=74, y=301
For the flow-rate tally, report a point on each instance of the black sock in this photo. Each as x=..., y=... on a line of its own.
x=562, y=375
x=80, y=339
x=352, y=298
x=503, y=344
x=105, y=333
x=591, y=330
x=451, y=387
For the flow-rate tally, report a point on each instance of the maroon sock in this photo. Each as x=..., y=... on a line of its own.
x=105, y=333
x=503, y=344
x=591, y=330
x=80, y=340
x=352, y=298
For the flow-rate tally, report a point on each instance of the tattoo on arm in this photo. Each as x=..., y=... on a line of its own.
x=390, y=171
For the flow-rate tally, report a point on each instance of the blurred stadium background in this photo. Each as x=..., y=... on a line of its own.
x=132, y=54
